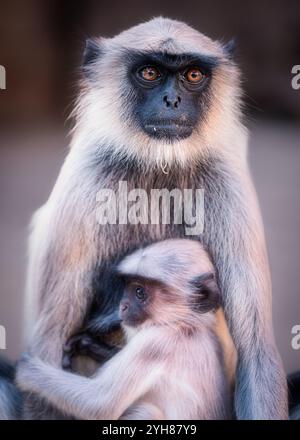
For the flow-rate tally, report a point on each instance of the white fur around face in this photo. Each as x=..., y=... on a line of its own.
x=158, y=261
x=102, y=112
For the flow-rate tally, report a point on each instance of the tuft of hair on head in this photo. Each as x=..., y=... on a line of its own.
x=173, y=262
x=91, y=54
x=230, y=48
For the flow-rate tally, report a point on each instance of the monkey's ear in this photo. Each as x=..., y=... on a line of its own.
x=208, y=295
x=92, y=52
x=230, y=48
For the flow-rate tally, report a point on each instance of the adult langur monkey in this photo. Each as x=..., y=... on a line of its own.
x=160, y=107
x=172, y=366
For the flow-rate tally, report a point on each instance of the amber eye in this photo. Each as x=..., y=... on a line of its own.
x=194, y=75
x=149, y=73
x=140, y=293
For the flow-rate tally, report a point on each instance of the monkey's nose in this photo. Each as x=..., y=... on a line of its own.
x=172, y=101
x=123, y=307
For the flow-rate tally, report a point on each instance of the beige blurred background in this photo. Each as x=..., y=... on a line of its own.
x=40, y=46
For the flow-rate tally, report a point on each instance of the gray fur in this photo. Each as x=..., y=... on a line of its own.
x=172, y=366
x=134, y=378
x=69, y=250
x=10, y=396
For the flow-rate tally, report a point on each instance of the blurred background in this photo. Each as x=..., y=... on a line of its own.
x=41, y=43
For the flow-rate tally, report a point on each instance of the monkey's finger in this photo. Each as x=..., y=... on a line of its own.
x=86, y=341
x=67, y=348
x=99, y=350
x=71, y=343
x=66, y=362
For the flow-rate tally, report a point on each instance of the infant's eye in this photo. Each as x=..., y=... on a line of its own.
x=149, y=73
x=140, y=293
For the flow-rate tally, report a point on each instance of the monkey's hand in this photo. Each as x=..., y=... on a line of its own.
x=85, y=344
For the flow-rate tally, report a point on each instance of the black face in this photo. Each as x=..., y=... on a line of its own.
x=172, y=92
x=134, y=304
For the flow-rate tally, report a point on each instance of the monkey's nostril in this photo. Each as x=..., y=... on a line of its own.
x=172, y=102
x=177, y=102
x=165, y=98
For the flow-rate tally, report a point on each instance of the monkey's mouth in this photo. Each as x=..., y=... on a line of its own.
x=168, y=129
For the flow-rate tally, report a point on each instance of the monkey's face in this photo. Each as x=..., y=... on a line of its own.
x=171, y=93
x=151, y=302
x=134, y=307
x=147, y=301
x=160, y=92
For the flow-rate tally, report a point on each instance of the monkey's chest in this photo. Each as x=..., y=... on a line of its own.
x=132, y=215
x=133, y=212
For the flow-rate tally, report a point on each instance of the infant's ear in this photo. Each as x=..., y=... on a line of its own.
x=207, y=291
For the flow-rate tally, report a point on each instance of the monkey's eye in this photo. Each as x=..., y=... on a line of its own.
x=149, y=73
x=193, y=75
x=140, y=293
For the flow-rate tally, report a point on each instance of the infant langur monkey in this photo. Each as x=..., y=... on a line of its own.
x=172, y=365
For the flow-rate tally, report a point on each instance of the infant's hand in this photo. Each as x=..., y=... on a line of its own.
x=85, y=344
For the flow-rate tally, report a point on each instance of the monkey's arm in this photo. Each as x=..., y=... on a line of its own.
x=64, y=254
x=65, y=248
x=116, y=386
x=237, y=243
